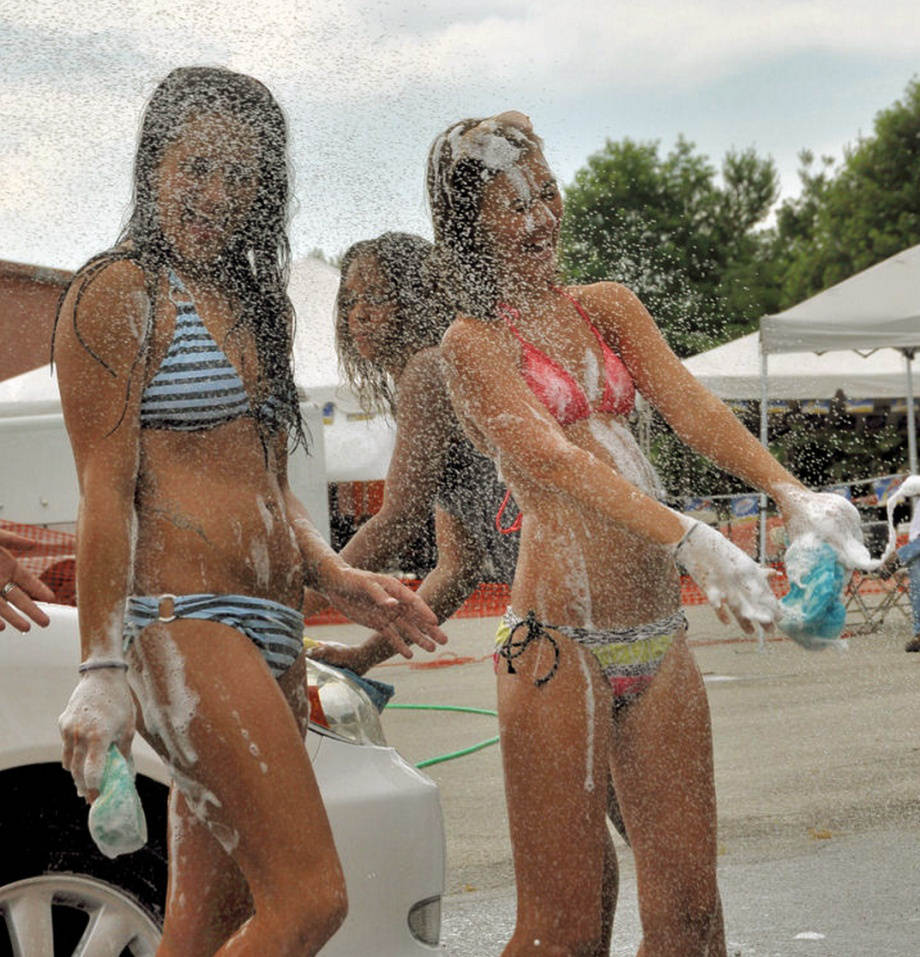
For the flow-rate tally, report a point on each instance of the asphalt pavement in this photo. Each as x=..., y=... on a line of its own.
x=817, y=758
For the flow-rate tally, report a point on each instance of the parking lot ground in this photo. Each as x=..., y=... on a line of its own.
x=817, y=759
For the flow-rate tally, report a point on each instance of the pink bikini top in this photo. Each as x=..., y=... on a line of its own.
x=563, y=397
x=557, y=389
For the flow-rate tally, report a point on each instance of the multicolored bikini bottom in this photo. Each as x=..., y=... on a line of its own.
x=629, y=657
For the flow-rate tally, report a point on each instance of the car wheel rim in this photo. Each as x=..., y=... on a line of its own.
x=70, y=913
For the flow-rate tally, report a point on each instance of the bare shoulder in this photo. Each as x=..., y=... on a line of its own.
x=608, y=299
x=616, y=310
x=468, y=339
x=105, y=314
x=423, y=370
x=421, y=385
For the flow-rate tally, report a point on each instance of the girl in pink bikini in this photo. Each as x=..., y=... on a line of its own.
x=594, y=673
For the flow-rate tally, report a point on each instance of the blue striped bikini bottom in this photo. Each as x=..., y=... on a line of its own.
x=275, y=629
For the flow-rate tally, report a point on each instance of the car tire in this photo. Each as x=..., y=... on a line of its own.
x=57, y=891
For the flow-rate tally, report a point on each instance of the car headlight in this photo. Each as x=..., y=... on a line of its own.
x=425, y=921
x=339, y=706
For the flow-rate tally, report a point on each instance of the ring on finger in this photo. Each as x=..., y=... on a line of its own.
x=7, y=588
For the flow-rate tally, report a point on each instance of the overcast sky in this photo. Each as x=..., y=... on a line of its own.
x=367, y=85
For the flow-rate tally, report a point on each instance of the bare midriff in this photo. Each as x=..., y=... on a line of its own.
x=211, y=517
x=576, y=567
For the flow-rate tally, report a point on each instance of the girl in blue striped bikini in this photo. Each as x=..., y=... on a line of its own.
x=173, y=351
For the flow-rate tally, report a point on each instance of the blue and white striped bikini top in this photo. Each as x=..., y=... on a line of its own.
x=196, y=386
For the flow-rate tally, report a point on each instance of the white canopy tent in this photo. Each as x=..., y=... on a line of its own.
x=733, y=371
x=875, y=309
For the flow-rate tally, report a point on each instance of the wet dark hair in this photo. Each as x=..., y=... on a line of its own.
x=462, y=261
x=255, y=265
x=421, y=318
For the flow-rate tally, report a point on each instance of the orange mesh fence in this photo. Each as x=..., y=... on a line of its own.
x=51, y=557
x=491, y=599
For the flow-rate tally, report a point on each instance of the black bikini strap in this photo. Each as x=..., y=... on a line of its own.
x=511, y=649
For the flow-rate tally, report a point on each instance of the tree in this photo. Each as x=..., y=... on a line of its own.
x=684, y=243
x=849, y=218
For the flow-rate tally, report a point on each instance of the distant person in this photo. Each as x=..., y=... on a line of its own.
x=174, y=363
x=909, y=556
x=19, y=587
x=388, y=327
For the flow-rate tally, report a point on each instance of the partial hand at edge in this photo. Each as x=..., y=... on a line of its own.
x=19, y=599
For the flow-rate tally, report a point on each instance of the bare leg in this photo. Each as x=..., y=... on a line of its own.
x=662, y=767
x=219, y=902
x=214, y=712
x=555, y=753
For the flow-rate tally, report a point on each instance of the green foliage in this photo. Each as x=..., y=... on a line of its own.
x=682, y=241
x=850, y=217
x=819, y=450
x=684, y=472
x=333, y=260
x=838, y=447
x=687, y=240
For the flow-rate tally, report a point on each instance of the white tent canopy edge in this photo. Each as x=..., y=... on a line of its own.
x=876, y=308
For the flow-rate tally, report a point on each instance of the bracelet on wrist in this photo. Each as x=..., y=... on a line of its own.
x=97, y=664
x=686, y=535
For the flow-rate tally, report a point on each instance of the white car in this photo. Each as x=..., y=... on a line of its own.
x=59, y=895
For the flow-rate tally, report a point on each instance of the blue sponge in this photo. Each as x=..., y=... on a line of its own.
x=812, y=613
x=116, y=818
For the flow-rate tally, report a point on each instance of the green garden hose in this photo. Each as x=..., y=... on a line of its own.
x=450, y=707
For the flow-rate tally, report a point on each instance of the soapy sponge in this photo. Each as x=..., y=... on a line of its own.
x=813, y=613
x=116, y=818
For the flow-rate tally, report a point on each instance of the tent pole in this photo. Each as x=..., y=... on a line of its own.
x=762, y=509
x=911, y=420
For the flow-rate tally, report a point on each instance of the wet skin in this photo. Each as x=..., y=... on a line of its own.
x=580, y=565
x=370, y=306
x=618, y=578
x=210, y=514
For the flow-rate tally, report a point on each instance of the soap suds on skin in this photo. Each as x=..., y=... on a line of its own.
x=831, y=518
x=170, y=718
x=268, y=520
x=261, y=562
x=616, y=438
x=200, y=801
x=589, y=716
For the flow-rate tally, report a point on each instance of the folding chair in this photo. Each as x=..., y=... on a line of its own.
x=866, y=613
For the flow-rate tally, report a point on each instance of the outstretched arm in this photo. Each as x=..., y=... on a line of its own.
x=444, y=589
x=501, y=411
x=376, y=601
x=707, y=425
x=423, y=424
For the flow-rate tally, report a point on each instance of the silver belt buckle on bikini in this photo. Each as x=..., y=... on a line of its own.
x=164, y=599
